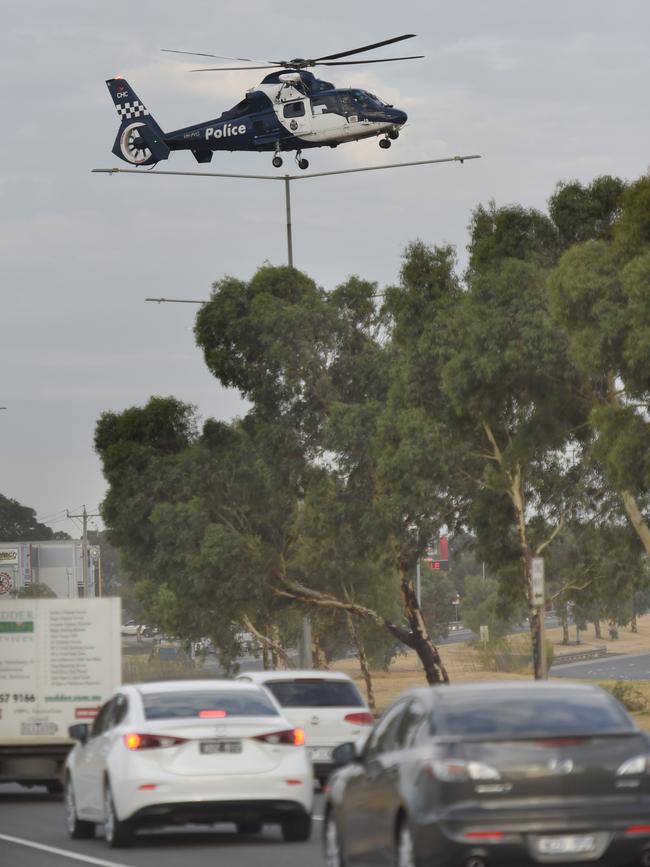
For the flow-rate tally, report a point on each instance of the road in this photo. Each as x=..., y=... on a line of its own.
x=633, y=666
x=31, y=816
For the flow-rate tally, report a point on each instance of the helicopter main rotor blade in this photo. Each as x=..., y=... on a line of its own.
x=356, y=62
x=217, y=56
x=364, y=48
x=233, y=68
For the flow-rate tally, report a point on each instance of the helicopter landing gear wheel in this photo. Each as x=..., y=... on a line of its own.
x=277, y=162
x=385, y=143
x=393, y=133
x=303, y=164
x=133, y=146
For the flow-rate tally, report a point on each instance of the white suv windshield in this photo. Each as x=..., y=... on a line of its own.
x=315, y=692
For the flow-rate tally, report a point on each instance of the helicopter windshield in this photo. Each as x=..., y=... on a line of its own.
x=366, y=99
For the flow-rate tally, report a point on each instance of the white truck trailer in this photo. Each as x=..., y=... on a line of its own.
x=60, y=659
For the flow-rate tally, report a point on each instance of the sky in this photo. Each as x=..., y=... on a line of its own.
x=545, y=92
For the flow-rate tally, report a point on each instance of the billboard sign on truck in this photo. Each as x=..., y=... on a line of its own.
x=59, y=661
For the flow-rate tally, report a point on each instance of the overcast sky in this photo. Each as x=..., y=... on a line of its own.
x=544, y=91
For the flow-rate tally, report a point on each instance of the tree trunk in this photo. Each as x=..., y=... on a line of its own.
x=636, y=519
x=418, y=637
x=633, y=623
x=363, y=662
x=519, y=503
x=597, y=631
x=271, y=644
x=317, y=654
x=564, y=620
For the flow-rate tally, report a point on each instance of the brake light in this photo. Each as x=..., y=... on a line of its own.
x=212, y=714
x=360, y=719
x=638, y=829
x=135, y=741
x=290, y=737
x=484, y=835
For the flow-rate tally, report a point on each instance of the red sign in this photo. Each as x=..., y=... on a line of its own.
x=86, y=712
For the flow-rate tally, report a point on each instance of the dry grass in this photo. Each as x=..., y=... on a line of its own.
x=463, y=664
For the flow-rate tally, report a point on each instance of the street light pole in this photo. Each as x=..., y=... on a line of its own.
x=287, y=180
x=287, y=199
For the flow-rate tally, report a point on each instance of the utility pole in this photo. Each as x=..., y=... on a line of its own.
x=84, y=544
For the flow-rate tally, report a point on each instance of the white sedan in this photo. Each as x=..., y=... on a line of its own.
x=175, y=752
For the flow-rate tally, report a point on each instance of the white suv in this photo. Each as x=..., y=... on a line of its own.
x=326, y=704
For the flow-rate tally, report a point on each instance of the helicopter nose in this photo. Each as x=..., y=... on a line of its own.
x=399, y=117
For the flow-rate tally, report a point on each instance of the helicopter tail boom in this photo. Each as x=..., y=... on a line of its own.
x=140, y=141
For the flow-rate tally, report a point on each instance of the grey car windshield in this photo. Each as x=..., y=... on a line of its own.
x=205, y=703
x=502, y=716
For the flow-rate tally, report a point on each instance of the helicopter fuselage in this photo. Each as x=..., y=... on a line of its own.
x=288, y=111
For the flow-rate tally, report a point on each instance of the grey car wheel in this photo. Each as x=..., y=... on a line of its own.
x=331, y=844
x=404, y=855
x=118, y=833
x=78, y=829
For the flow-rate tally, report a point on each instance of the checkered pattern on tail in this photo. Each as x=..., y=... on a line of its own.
x=130, y=110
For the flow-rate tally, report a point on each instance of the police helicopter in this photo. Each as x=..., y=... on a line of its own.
x=290, y=110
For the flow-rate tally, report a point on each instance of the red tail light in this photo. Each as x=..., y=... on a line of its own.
x=291, y=737
x=137, y=741
x=212, y=714
x=483, y=835
x=360, y=719
x=638, y=829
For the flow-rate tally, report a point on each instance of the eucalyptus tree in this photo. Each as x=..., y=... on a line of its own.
x=320, y=365
x=484, y=375
x=599, y=295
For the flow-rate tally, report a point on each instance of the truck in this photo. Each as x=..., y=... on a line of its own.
x=60, y=660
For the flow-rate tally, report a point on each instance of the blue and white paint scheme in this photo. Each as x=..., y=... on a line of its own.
x=290, y=110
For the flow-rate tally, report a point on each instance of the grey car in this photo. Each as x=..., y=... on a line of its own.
x=475, y=775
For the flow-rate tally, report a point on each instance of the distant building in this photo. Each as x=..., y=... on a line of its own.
x=56, y=564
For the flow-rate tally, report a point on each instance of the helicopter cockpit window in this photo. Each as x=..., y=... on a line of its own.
x=363, y=99
x=324, y=105
x=294, y=109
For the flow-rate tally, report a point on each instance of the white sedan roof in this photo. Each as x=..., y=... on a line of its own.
x=189, y=685
x=292, y=674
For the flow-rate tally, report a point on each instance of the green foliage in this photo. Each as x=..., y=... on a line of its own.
x=18, y=524
x=37, y=591
x=629, y=696
x=482, y=606
x=499, y=234
x=583, y=213
x=509, y=654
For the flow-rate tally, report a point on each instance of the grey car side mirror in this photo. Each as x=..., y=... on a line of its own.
x=79, y=732
x=344, y=754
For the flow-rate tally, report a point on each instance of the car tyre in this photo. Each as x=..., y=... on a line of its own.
x=78, y=829
x=249, y=827
x=296, y=828
x=54, y=787
x=404, y=854
x=118, y=834
x=331, y=842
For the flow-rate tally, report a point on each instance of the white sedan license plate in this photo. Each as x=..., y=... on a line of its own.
x=211, y=747
x=320, y=754
x=569, y=844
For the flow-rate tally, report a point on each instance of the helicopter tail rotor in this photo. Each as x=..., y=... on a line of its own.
x=140, y=141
